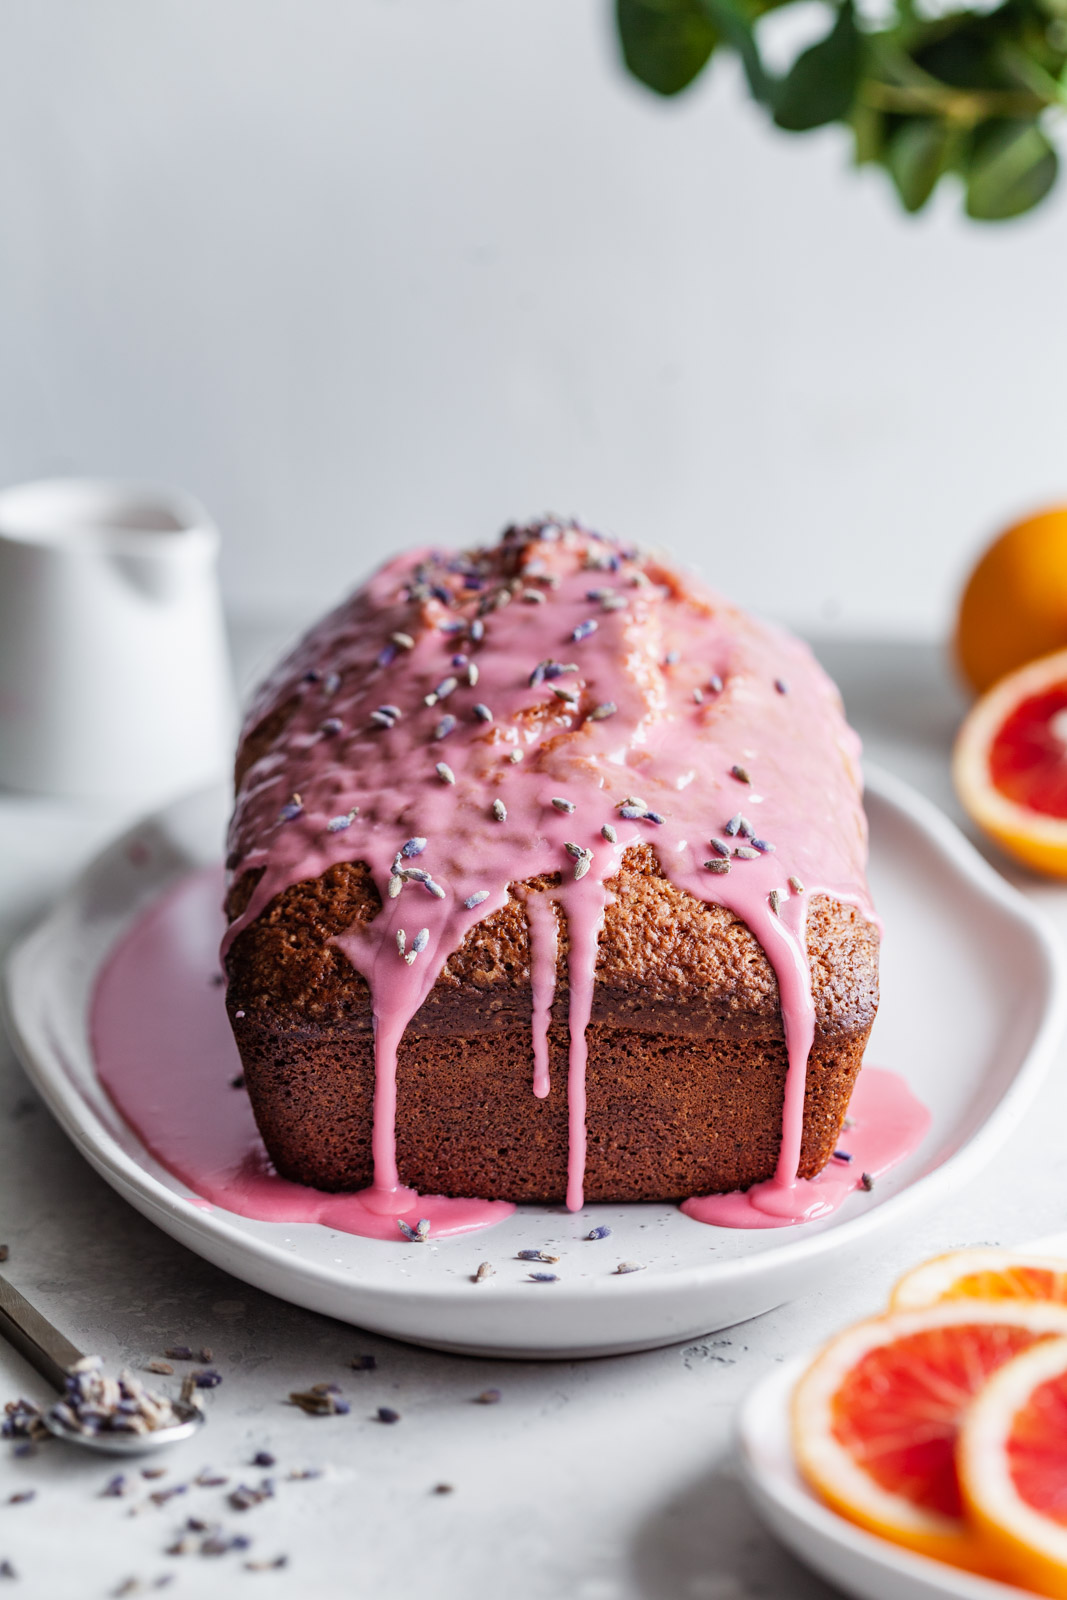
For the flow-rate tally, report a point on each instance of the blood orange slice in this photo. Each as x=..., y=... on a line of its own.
x=1012, y=1458
x=876, y=1416
x=1010, y=764
x=982, y=1274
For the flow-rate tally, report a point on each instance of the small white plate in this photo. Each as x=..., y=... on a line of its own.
x=850, y=1558
x=972, y=996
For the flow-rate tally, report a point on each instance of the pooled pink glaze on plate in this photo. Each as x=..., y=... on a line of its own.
x=165, y=1053
x=468, y=722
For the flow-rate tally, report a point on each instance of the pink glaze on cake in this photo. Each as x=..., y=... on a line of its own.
x=165, y=1053
x=166, y=1056
x=670, y=697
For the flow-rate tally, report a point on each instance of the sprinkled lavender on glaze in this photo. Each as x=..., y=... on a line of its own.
x=476, y=899
x=446, y=726
x=566, y=806
x=445, y=773
x=499, y=810
x=601, y=1231
x=483, y=713
x=339, y=824
x=584, y=629
x=609, y=833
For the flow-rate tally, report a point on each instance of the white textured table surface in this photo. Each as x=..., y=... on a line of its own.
x=602, y=1480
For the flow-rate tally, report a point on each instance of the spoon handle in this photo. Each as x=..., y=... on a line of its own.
x=32, y=1334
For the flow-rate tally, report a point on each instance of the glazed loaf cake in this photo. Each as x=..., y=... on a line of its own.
x=547, y=873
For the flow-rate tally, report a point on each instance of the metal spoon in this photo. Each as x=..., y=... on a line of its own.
x=54, y=1356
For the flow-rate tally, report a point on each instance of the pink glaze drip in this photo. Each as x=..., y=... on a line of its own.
x=585, y=915
x=166, y=1055
x=659, y=646
x=888, y=1124
x=544, y=951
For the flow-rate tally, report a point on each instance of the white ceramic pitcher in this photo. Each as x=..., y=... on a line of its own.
x=114, y=675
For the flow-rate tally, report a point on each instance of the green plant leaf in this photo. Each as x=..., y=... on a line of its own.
x=665, y=43
x=821, y=85
x=918, y=155
x=1012, y=168
x=735, y=28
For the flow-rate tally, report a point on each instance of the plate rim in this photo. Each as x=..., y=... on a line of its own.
x=79, y=1120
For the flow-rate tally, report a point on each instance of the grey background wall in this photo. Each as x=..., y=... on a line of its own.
x=364, y=272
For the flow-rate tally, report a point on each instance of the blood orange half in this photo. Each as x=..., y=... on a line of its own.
x=876, y=1416
x=1012, y=1458
x=1010, y=764
x=982, y=1274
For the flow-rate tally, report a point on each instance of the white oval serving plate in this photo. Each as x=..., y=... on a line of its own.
x=849, y=1557
x=973, y=1049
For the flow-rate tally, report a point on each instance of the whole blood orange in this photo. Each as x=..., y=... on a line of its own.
x=1010, y=764
x=982, y=1274
x=1012, y=1457
x=1014, y=606
x=876, y=1416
